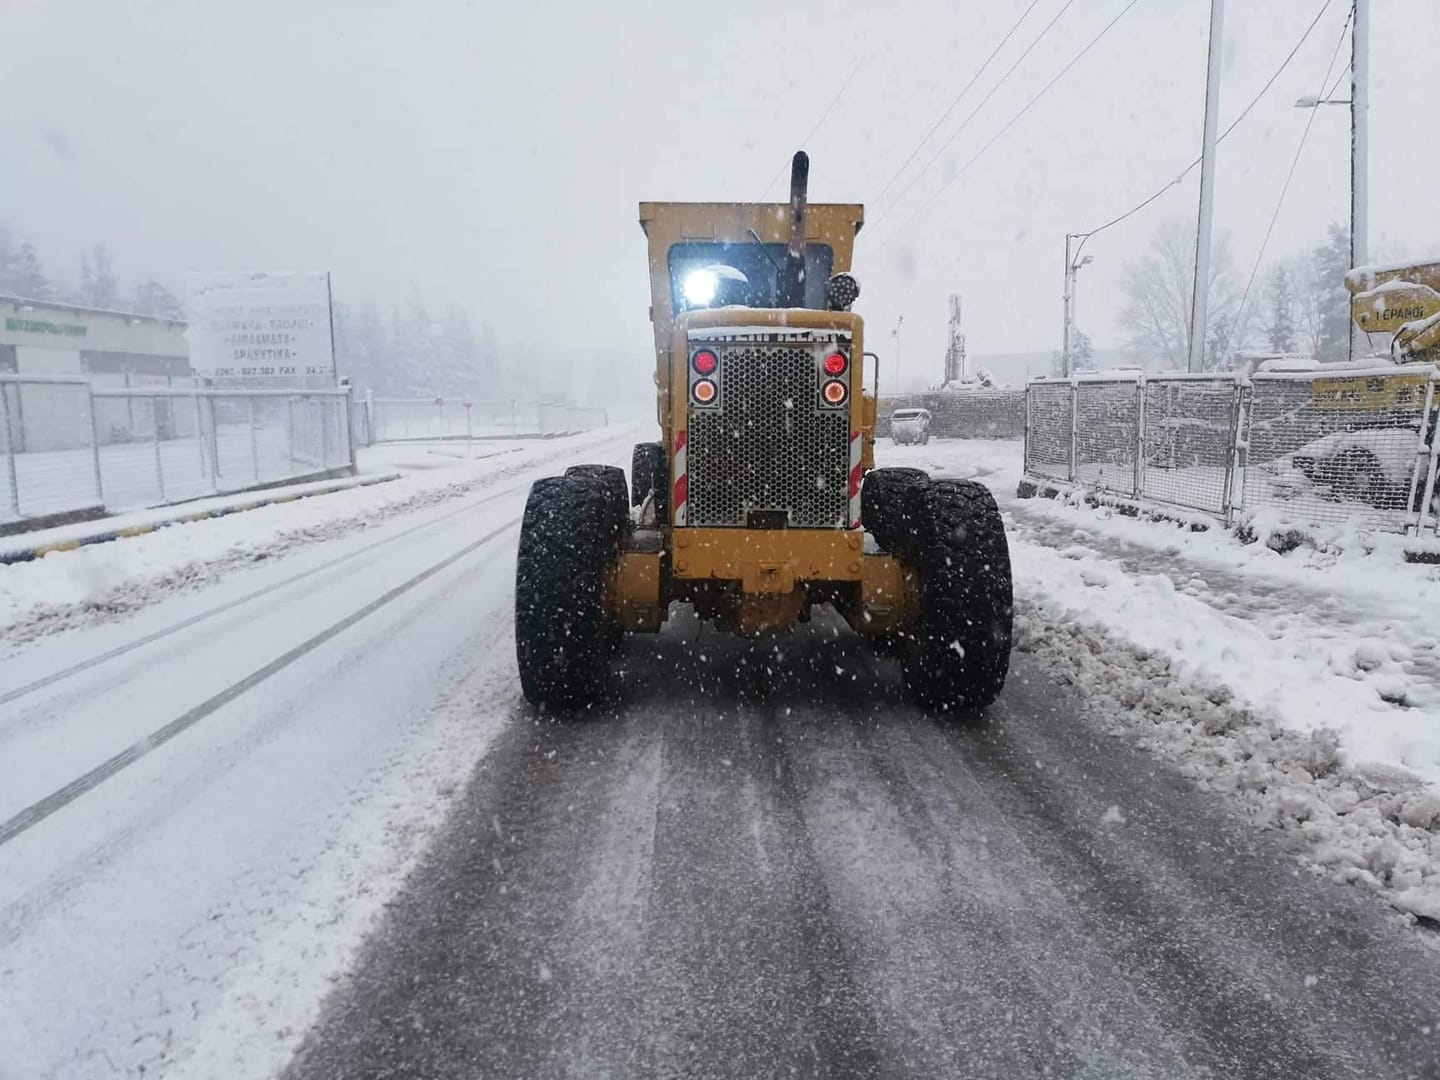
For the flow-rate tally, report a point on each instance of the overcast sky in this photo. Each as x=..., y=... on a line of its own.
x=493, y=154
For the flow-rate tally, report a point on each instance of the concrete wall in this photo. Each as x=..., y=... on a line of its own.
x=963, y=414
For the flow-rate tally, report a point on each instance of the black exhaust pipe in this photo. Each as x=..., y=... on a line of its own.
x=792, y=291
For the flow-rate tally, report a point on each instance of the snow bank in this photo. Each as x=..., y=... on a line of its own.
x=1358, y=821
x=67, y=589
x=1306, y=684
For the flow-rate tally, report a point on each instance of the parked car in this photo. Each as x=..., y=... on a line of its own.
x=910, y=426
x=1369, y=465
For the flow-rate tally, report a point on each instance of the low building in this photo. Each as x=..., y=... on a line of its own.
x=43, y=338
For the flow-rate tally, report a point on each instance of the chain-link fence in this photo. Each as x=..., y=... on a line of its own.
x=961, y=414
x=69, y=445
x=1188, y=445
x=1306, y=447
x=401, y=419
x=1107, y=419
x=1331, y=451
x=1050, y=430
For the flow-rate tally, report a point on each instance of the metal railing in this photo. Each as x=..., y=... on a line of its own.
x=1311, y=448
x=69, y=445
x=401, y=419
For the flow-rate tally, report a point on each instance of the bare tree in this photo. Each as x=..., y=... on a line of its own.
x=1157, y=291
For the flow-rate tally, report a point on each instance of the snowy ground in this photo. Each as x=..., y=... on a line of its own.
x=186, y=915
x=337, y=666
x=76, y=588
x=1306, y=683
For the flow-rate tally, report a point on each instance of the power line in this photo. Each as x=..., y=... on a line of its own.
x=1285, y=189
x=951, y=108
x=1012, y=121
x=1343, y=72
x=1233, y=125
x=818, y=124
x=973, y=113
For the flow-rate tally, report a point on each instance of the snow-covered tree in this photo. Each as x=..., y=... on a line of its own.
x=1281, y=331
x=27, y=275
x=152, y=298
x=98, y=288
x=1330, y=262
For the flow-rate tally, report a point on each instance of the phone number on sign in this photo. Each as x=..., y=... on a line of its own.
x=257, y=372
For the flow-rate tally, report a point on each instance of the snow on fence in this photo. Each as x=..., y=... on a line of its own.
x=962, y=414
x=1308, y=448
x=71, y=445
x=400, y=419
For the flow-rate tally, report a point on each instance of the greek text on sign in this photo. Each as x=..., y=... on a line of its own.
x=260, y=324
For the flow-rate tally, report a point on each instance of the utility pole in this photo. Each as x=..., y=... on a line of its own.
x=1359, y=146
x=1199, y=309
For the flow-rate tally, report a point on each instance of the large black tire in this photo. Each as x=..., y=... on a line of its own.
x=649, y=471
x=569, y=538
x=612, y=479
x=888, y=507
x=959, y=654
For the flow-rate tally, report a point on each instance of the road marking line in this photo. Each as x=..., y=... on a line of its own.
x=184, y=624
x=37, y=812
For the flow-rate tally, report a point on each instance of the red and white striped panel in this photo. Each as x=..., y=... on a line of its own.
x=681, y=501
x=855, y=480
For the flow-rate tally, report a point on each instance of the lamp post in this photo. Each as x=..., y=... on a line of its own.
x=1073, y=263
x=1359, y=102
x=896, y=335
x=1200, y=295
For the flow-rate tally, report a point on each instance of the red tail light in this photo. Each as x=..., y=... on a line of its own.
x=705, y=362
x=836, y=363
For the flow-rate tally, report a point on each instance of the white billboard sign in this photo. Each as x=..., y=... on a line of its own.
x=260, y=325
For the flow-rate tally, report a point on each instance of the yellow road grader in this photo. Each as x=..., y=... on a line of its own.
x=1402, y=299
x=761, y=500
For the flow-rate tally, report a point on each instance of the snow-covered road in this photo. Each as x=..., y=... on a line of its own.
x=768, y=864
x=253, y=762
x=177, y=905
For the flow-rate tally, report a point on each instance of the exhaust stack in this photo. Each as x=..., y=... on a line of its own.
x=793, y=287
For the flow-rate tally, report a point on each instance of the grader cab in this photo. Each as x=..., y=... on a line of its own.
x=760, y=501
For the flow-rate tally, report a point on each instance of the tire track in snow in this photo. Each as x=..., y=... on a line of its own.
x=38, y=811
x=240, y=601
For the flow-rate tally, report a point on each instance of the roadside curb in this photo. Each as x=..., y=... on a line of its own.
x=1037, y=489
x=1281, y=540
x=22, y=555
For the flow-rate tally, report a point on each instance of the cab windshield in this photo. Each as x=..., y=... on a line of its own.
x=705, y=274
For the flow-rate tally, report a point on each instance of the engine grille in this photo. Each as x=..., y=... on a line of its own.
x=769, y=446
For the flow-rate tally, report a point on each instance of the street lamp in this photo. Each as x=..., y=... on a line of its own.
x=896, y=335
x=1073, y=263
x=1359, y=102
